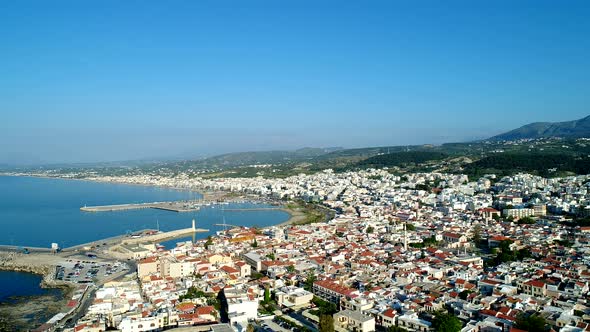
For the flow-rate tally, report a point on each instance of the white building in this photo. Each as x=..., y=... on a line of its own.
x=347, y=320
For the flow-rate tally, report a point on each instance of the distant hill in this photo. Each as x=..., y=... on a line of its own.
x=567, y=129
x=543, y=164
x=241, y=159
x=266, y=157
x=401, y=158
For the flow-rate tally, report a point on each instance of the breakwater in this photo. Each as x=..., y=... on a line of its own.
x=179, y=206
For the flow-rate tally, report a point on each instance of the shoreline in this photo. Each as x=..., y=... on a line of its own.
x=215, y=196
x=207, y=194
x=12, y=261
x=294, y=217
x=297, y=214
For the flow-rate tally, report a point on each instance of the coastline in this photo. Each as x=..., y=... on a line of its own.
x=218, y=196
x=39, y=264
x=296, y=215
x=44, y=264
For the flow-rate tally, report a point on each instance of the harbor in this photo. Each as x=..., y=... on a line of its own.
x=143, y=236
x=37, y=212
x=85, y=265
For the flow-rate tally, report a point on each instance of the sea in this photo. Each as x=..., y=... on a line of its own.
x=37, y=211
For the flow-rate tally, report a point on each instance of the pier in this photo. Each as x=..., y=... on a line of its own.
x=180, y=206
x=144, y=236
x=21, y=248
x=163, y=236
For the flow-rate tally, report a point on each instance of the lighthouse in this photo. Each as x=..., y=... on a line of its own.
x=194, y=228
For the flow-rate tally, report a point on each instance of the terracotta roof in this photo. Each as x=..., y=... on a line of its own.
x=148, y=260
x=389, y=313
x=208, y=310
x=535, y=283
x=333, y=286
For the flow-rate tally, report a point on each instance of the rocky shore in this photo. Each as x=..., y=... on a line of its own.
x=12, y=261
x=22, y=312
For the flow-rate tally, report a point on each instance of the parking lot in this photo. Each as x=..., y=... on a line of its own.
x=86, y=271
x=271, y=326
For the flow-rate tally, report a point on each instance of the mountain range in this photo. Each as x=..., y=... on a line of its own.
x=481, y=155
x=567, y=129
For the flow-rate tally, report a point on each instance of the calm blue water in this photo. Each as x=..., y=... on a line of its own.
x=22, y=284
x=38, y=211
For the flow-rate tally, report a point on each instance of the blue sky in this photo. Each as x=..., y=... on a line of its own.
x=120, y=80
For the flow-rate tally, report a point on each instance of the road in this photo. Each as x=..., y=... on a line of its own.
x=85, y=302
x=272, y=326
x=303, y=321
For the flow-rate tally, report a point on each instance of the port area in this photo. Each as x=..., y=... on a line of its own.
x=81, y=269
x=177, y=206
x=209, y=198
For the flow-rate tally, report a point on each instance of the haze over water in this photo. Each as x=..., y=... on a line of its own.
x=39, y=211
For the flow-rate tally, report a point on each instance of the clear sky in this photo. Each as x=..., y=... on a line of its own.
x=121, y=80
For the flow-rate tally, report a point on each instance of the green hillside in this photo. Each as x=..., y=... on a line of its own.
x=567, y=129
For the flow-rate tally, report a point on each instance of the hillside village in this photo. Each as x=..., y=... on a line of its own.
x=405, y=252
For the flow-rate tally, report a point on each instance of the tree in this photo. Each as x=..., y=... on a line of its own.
x=410, y=227
x=324, y=306
x=446, y=322
x=290, y=269
x=326, y=323
x=266, y=295
x=532, y=323
x=477, y=235
x=370, y=229
x=311, y=278
x=395, y=328
x=192, y=293
x=526, y=221
x=209, y=242
x=523, y=253
x=423, y=186
x=254, y=244
x=464, y=294
x=256, y=275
